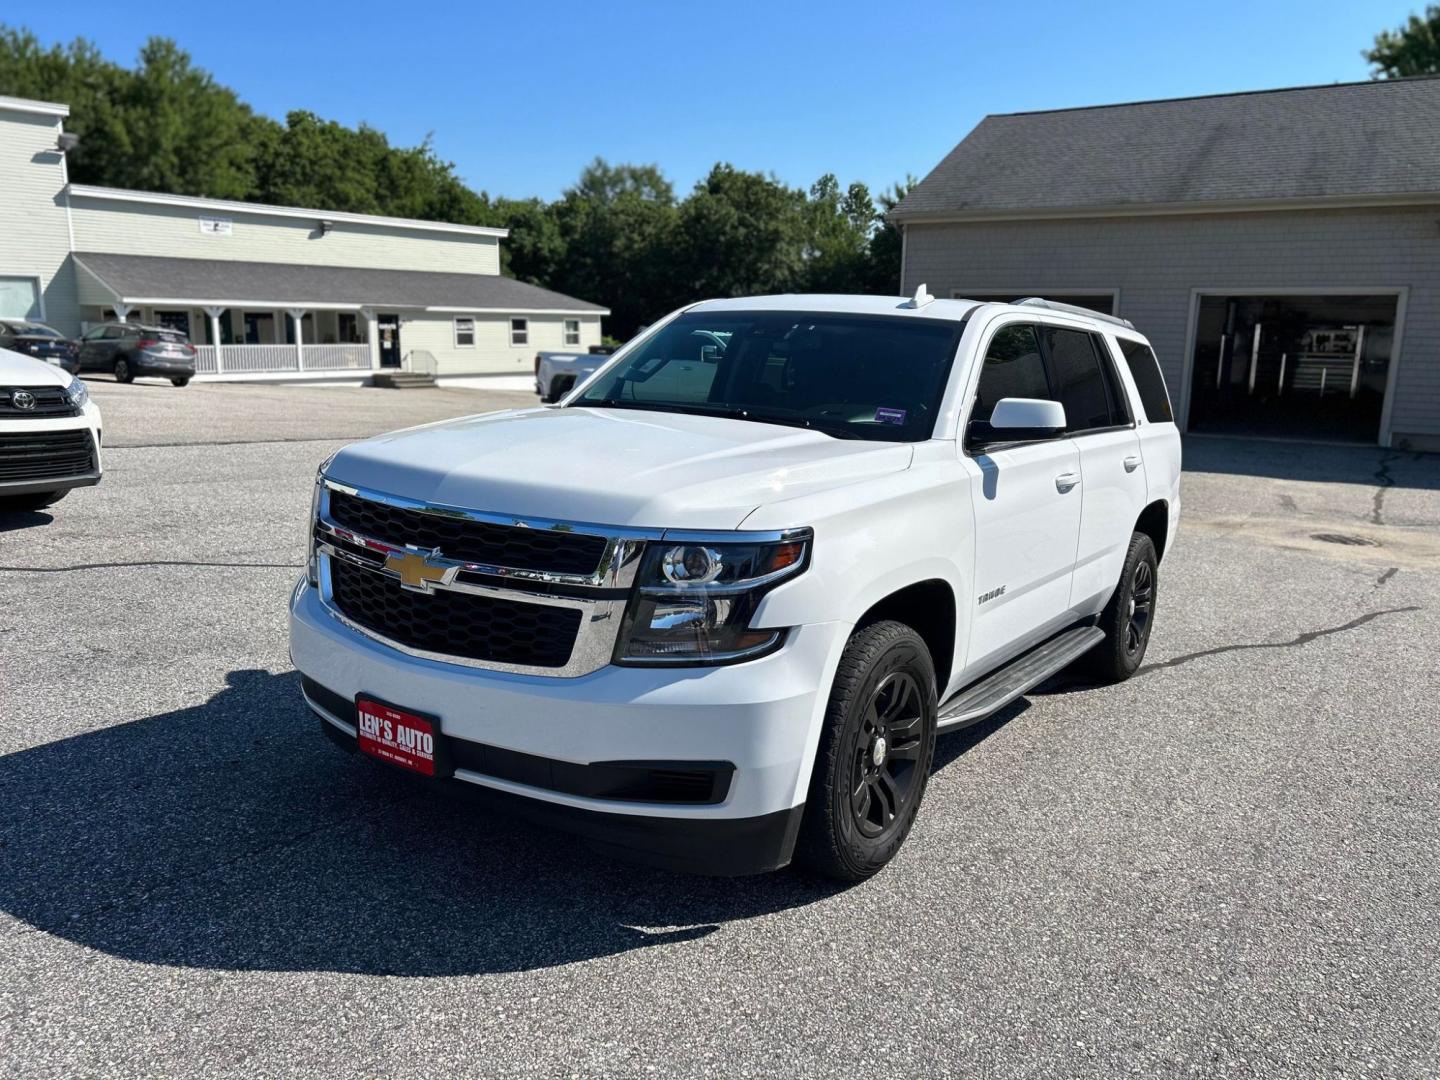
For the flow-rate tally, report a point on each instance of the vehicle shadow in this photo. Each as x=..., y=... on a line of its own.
x=956, y=744
x=233, y=835
x=11, y=520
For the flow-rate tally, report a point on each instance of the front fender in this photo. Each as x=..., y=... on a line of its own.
x=873, y=539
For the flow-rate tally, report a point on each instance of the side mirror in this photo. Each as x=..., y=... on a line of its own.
x=1019, y=420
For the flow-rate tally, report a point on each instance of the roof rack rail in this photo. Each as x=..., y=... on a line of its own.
x=1074, y=309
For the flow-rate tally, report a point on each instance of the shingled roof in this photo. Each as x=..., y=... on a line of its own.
x=1346, y=141
x=206, y=281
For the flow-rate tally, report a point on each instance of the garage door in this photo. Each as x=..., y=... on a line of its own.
x=1292, y=365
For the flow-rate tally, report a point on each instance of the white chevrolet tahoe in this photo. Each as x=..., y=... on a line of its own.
x=712, y=610
x=49, y=433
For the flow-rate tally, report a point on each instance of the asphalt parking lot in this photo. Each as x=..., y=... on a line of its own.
x=1229, y=866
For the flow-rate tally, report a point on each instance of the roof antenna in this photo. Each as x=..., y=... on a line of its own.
x=920, y=299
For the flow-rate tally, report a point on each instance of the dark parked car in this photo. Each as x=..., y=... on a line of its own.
x=131, y=350
x=40, y=341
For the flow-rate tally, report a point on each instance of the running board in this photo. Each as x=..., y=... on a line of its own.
x=999, y=688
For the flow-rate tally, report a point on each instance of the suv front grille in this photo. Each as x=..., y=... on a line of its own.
x=45, y=455
x=50, y=402
x=511, y=546
x=460, y=624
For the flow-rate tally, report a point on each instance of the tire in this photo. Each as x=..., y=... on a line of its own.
x=184, y=381
x=1129, y=617
x=19, y=504
x=865, y=793
x=122, y=371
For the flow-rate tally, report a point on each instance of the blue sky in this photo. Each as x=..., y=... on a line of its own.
x=521, y=96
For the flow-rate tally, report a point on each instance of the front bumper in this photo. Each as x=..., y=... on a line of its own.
x=761, y=717
x=89, y=421
x=159, y=365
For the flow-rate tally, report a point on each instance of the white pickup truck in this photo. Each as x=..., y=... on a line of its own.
x=556, y=373
x=712, y=611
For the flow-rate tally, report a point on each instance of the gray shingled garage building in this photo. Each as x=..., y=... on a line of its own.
x=1281, y=249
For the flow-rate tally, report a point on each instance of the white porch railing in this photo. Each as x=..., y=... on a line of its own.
x=421, y=361
x=337, y=357
x=267, y=359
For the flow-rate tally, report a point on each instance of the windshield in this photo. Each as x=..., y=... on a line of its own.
x=851, y=376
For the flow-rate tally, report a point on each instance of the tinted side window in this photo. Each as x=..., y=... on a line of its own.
x=1013, y=369
x=1081, y=384
x=1145, y=370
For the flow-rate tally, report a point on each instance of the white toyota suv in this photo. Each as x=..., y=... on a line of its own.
x=49, y=433
x=713, y=609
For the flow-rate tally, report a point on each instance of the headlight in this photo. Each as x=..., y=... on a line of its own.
x=312, y=570
x=694, y=601
x=77, y=392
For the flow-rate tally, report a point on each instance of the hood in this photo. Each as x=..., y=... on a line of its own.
x=17, y=369
x=612, y=466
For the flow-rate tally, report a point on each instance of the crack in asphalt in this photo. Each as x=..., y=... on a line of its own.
x=1301, y=639
x=1386, y=576
x=154, y=562
x=1384, y=482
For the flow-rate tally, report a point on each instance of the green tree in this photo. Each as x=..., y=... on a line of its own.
x=882, y=262
x=534, y=249
x=617, y=225
x=1412, y=49
x=739, y=233
x=618, y=236
x=165, y=126
x=838, y=225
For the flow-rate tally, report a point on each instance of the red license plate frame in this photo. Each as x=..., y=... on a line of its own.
x=401, y=737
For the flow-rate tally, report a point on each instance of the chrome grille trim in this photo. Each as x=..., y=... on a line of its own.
x=602, y=614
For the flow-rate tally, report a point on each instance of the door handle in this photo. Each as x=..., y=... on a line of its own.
x=1132, y=463
x=1065, y=481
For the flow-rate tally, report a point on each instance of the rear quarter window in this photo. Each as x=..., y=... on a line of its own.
x=1145, y=370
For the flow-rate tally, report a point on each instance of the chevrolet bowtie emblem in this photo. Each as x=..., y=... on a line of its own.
x=417, y=570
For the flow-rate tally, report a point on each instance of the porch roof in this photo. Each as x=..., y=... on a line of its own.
x=159, y=279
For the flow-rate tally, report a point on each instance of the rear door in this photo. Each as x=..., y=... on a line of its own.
x=1100, y=425
x=1159, y=437
x=1027, y=505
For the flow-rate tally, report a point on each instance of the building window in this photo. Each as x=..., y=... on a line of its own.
x=260, y=328
x=174, y=320
x=347, y=328
x=519, y=332
x=572, y=331
x=20, y=298
x=464, y=332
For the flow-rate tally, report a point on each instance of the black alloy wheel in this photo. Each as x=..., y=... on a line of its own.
x=1142, y=602
x=122, y=371
x=1128, y=618
x=874, y=756
x=884, y=750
